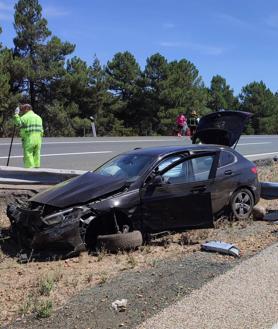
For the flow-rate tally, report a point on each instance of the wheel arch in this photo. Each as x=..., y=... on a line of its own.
x=239, y=188
x=104, y=224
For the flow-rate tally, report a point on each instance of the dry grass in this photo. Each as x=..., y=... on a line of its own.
x=268, y=173
x=21, y=284
x=4, y=223
x=41, y=287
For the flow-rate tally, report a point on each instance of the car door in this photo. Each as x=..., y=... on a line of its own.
x=226, y=180
x=180, y=195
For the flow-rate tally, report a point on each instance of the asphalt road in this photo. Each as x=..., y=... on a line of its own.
x=87, y=153
x=244, y=297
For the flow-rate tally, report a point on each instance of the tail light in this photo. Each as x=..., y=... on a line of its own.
x=254, y=170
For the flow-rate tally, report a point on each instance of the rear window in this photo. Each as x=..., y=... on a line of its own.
x=226, y=158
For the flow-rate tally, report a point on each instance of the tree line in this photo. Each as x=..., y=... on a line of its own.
x=124, y=98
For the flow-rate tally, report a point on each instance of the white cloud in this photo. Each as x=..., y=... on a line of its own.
x=168, y=25
x=233, y=20
x=171, y=44
x=5, y=6
x=272, y=20
x=201, y=48
x=51, y=11
x=6, y=11
x=6, y=17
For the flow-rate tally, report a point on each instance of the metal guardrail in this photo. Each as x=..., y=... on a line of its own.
x=45, y=176
x=42, y=176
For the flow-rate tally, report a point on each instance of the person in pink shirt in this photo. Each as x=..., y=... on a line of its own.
x=181, y=124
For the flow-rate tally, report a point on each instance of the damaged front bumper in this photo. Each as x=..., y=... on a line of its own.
x=62, y=230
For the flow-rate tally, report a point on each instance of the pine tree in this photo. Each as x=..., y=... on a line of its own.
x=43, y=58
x=221, y=95
x=259, y=100
x=123, y=74
x=8, y=97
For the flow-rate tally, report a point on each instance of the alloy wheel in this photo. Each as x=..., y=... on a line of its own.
x=242, y=204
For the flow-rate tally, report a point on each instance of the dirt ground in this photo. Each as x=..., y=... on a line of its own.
x=40, y=288
x=147, y=291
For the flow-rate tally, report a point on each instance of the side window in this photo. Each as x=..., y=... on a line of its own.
x=174, y=172
x=226, y=158
x=193, y=170
x=201, y=167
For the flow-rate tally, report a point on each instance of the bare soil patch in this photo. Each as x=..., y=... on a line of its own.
x=40, y=288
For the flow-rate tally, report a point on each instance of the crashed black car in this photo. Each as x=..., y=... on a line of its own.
x=144, y=191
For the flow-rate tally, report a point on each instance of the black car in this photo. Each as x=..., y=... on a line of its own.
x=146, y=190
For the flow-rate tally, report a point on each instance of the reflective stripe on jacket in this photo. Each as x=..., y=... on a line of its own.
x=193, y=121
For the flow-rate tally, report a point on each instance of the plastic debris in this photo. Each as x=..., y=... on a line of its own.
x=221, y=247
x=119, y=305
x=271, y=216
x=269, y=190
x=22, y=258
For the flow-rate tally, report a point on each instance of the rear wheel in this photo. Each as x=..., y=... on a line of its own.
x=242, y=203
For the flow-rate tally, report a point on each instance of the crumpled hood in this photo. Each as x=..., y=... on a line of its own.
x=79, y=190
x=222, y=128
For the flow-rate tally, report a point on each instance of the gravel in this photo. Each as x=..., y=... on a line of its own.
x=147, y=292
x=244, y=297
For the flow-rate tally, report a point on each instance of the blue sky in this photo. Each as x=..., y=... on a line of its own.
x=237, y=39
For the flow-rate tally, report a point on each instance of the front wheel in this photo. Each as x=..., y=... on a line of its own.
x=120, y=241
x=242, y=203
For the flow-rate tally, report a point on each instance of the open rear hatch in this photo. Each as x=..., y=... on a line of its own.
x=222, y=128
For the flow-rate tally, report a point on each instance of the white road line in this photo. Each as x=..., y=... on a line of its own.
x=105, y=152
x=60, y=154
x=128, y=141
x=258, y=136
x=259, y=154
x=92, y=142
x=259, y=143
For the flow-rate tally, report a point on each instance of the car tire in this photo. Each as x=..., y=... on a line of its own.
x=242, y=203
x=120, y=241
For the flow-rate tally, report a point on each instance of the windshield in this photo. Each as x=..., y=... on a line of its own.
x=127, y=166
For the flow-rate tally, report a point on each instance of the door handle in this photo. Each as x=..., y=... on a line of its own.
x=228, y=172
x=199, y=189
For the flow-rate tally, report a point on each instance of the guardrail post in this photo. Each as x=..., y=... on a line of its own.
x=93, y=126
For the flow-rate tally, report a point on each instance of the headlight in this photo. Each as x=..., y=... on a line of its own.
x=56, y=218
x=69, y=214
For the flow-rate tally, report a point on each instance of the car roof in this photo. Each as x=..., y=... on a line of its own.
x=164, y=150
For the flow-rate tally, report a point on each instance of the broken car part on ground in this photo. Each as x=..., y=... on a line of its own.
x=269, y=190
x=144, y=191
x=221, y=247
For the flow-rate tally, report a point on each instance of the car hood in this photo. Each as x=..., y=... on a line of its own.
x=222, y=128
x=79, y=190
